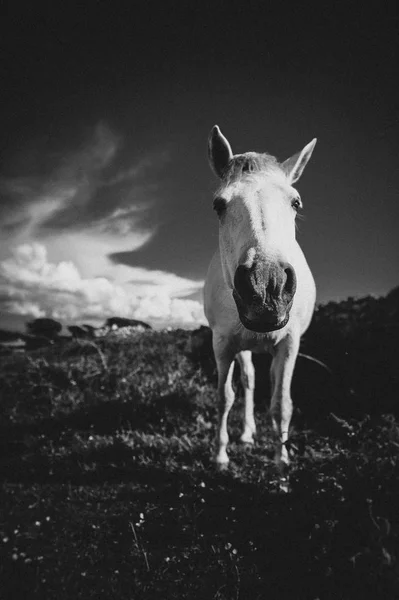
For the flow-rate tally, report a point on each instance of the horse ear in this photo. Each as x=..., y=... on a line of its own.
x=219, y=151
x=294, y=166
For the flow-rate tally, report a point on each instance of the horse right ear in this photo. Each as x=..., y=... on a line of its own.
x=294, y=166
x=219, y=151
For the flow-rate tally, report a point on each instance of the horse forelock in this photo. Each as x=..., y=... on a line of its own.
x=249, y=163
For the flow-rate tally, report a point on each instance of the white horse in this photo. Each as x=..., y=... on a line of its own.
x=259, y=292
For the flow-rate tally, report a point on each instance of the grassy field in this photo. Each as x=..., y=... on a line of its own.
x=108, y=488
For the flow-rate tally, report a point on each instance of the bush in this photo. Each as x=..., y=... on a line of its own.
x=44, y=327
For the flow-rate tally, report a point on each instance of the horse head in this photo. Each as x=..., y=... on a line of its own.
x=257, y=204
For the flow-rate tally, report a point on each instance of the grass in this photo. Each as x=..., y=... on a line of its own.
x=109, y=490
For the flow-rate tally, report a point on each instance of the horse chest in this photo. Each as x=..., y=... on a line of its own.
x=259, y=344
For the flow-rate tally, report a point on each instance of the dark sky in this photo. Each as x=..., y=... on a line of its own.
x=155, y=77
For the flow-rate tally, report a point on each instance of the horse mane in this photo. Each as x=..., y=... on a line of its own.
x=247, y=164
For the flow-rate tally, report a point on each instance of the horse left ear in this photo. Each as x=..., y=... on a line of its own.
x=294, y=166
x=219, y=151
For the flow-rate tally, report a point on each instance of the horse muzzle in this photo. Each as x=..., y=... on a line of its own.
x=264, y=295
x=261, y=318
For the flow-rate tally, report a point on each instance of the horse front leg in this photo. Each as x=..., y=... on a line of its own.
x=282, y=369
x=226, y=397
x=248, y=384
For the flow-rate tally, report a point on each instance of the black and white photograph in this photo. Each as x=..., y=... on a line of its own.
x=199, y=300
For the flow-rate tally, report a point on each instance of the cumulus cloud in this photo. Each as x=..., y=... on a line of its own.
x=92, y=204
x=21, y=307
x=32, y=285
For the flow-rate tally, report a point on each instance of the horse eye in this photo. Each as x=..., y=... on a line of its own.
x=296, y=204
x=219, y=205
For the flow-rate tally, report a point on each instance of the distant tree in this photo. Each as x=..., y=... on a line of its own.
x=90, y=329
x=392, y=304
x=47, y=328
x=122, y=322
x=78, y=332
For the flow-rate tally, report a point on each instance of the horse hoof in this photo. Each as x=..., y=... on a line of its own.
x=222, y=467
x=284, y=485
x=222, y=462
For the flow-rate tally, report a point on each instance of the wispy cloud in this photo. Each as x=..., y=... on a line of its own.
x=85, y=187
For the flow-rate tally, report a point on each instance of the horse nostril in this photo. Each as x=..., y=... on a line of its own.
x=242, y=282
x=290, y=283
x=261, y=283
